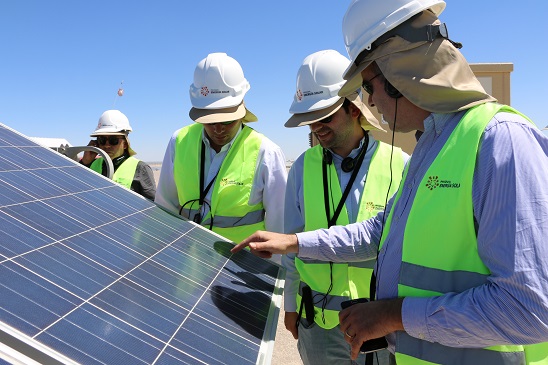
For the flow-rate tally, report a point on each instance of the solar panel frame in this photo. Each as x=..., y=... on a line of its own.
x=79, y=262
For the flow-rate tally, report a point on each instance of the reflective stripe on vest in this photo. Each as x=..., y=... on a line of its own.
x=350, y=280
x=224, y=222
x=233, y=217
x=124, y=173
x=412, y=351
x=446, y=259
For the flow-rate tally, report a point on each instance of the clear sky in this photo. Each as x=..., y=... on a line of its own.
x=62, y=61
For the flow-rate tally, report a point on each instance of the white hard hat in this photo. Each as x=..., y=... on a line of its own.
x=112, y=122
x=366, y=20
x=319, y=80
x=219, y=83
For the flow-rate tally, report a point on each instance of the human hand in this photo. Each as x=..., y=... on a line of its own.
x=88, y=155
x=365, y=321
x=290, y=321
x=264, y=244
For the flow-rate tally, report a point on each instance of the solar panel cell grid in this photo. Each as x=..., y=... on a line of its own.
x=92, y=272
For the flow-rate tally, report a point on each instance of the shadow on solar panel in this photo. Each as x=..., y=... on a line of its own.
x=92, y=273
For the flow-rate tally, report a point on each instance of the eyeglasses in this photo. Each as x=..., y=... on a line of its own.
x=367, y=84
x=224, y=123
x=112, y=140
x=326, y=120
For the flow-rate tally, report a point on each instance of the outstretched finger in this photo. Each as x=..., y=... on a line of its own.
x=240, y=246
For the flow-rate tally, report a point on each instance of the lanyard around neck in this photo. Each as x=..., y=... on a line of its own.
x=326, y=187
x=203, y=192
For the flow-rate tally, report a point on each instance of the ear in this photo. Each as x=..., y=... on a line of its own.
x=354, y=111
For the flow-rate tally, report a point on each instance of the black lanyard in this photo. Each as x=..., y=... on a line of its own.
x=326, y=188
x=203, y=193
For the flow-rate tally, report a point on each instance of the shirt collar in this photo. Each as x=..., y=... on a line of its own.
x=436, y=122
x=119, y=160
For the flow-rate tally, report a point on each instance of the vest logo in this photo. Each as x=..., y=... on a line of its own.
x=204, y=91
x=225, y=181
x=435, y=182
x=371, y=207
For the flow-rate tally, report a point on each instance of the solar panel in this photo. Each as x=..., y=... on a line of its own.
x=92, y=273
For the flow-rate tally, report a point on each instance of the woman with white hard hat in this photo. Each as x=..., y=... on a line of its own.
x=112, y=137
x=218, y=171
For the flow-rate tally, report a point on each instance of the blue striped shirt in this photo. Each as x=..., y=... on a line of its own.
x=510, y=198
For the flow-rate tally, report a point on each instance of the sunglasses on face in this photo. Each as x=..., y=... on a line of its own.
x=367, y=84
x=326, y=120
x=112, y=140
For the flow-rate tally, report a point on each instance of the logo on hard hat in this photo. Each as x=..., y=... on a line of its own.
x=204, y=91
x=299, y=94
x=311, y=93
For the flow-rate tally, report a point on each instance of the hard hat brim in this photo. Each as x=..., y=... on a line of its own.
x=353, y=75
x=106, y=132
x=207, y=116
x=367, y=119
x=300, y=119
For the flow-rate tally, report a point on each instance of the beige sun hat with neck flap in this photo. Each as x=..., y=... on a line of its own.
x=433, y=75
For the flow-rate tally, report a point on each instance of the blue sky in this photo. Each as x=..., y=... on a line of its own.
x=62, y=61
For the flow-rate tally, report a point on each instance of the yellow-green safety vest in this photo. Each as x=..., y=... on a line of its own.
x=446, y=259
x=231, y=213
x=124, y=173
x=350, y=280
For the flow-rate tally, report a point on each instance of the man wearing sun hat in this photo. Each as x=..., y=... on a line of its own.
x=112, y=137
x=347, y=177
x=462, y=276
x=219, y=172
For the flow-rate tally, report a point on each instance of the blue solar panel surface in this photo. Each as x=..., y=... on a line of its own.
x=101, y=276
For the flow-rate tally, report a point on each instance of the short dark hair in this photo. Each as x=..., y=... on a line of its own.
x=346, y=105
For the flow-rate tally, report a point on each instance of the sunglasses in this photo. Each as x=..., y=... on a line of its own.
x=112, y=140
x=326, y=120
x=367, y=84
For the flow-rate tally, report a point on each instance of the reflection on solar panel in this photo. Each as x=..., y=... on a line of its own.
x=92, y=273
